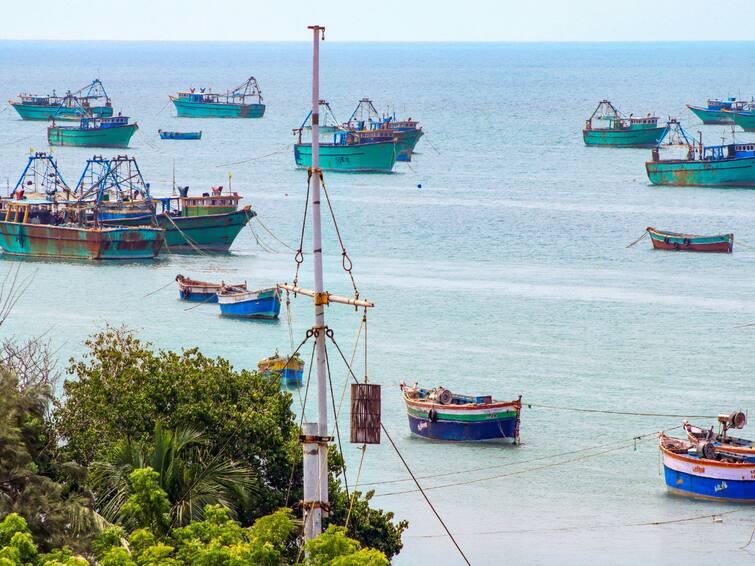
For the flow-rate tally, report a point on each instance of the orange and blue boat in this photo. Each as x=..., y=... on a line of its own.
x=290, y=369
x=439, y=414
x=241, y=303
x=680, y=242
x=723, y=441
x=201, y=291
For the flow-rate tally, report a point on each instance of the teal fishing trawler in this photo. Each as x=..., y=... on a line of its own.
x=244, y=101
x=43, y=218
x=621, y=131
x=328, y=121
x=115, y=131
x=349, y=152
x=92, y=100
x=727, y=165
x=718, y=111
x=744, y=119
x=371, y=125
x=209, y=222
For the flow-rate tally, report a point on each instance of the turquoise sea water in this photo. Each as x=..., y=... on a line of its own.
x=506, y=273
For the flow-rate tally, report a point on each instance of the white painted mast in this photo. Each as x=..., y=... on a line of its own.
x=316, y=478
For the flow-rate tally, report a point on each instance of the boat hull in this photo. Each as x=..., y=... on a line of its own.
x=443, y=422
x=34, y=112
x=737, y=172
x=711, y=116
x=116, y=136
x=721, y=243
x=708, y=479
x=212, y=232
x=640, y=137
x=745, y=120
x=251, y=304
x=187, y=109
x=39, y=240
x=357, y=158
x=180, y=135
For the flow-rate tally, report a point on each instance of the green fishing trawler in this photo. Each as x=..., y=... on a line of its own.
x=115, y=131
x=372, y=126
x=348, y=152
x=89, y=100
x=621, y=131
x=234, y=103
x=727, y=165
x=745, y=120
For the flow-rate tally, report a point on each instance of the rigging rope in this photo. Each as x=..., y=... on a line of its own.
x=335, y=417
x=273, y=235
x=160, y=289
x=404, y=462
x=356, y=484
x=345, y=259
x=299, y=257
x=645, y=233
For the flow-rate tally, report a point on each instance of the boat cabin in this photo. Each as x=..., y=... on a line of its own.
x=113, y=121
x=36, y=100
x=199, y=97
x=209, y=204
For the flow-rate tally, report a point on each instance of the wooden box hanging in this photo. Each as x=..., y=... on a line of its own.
x=365, y=413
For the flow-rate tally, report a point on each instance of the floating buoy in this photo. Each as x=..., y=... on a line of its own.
x=419, y=185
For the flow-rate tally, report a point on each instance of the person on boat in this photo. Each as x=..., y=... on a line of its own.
x=217, y=191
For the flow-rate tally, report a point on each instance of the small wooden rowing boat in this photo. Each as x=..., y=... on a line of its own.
x=699, y=471
x=719, y=243
x=290, y=369
x=721, y=441
x=180, y=135
x=240, y=303
x=202, y=291
x=440, y=414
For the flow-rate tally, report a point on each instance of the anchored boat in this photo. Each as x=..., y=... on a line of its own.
x=43, y=220
x=721, y=441
x=744, y=119
x=240, y=303
x=699, y=471
x=290, y=369
x=349, y=152
x=92, y=100
x=201, y=291
x=371, y=125
x=244, y=101
x=728, y=165
x=115, y=131
x=718, y=111
x=440, y=414
x=621, y=131
x=662, y=240
x=180, y=135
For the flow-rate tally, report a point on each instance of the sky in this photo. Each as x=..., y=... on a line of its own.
x=379, y=20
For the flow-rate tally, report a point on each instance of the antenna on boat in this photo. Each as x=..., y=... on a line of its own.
x=174, y=176
x=230, y=175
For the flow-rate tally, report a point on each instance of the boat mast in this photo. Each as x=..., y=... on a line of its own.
x=316, y=478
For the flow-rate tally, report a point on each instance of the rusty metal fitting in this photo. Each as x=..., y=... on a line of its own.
x=322, y=298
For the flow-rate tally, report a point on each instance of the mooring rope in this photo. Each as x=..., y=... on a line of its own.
x=160, y=289
x=271, y=233
x=257, y=158
x=609, y=412
x=645, y=233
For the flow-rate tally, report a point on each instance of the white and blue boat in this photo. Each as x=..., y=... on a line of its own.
x=260, y=303
x=439, y=414
x=705, y=471
x=202, y=291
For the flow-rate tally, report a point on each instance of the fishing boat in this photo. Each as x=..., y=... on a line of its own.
x=440, y=414
x=744, y=119
x=371, y=125
x=93, y=100
x=717, y=111
x=621, y=131
x=721, y=441
x=348, y=152
x=44, y=218
x=201, y=291
x=234, y=103
x=662, y=240
x=180, y=135
x=241, y=303
x=727, y=165
x=209, y=222
x=115, y=131
x=699, y=471
x=328, y=121
x=290, y=369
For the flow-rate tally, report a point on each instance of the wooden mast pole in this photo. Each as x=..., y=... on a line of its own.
x=316, y=478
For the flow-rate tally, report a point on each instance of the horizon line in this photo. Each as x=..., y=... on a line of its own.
x=424, y=41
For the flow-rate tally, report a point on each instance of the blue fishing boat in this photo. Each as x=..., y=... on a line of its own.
x=439, y=414
x=366, y=121
x=699, y=471
x=201, y=291
x=241, y=303
x=290, y=369
x=718, y=111
x=180, y=135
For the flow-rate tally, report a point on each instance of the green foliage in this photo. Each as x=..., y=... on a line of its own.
x=334, y=547
x=54, y=516
x=147, y=507
x=189, y=475
x=124, y=388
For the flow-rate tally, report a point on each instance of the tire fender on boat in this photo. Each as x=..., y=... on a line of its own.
x=432, y=415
